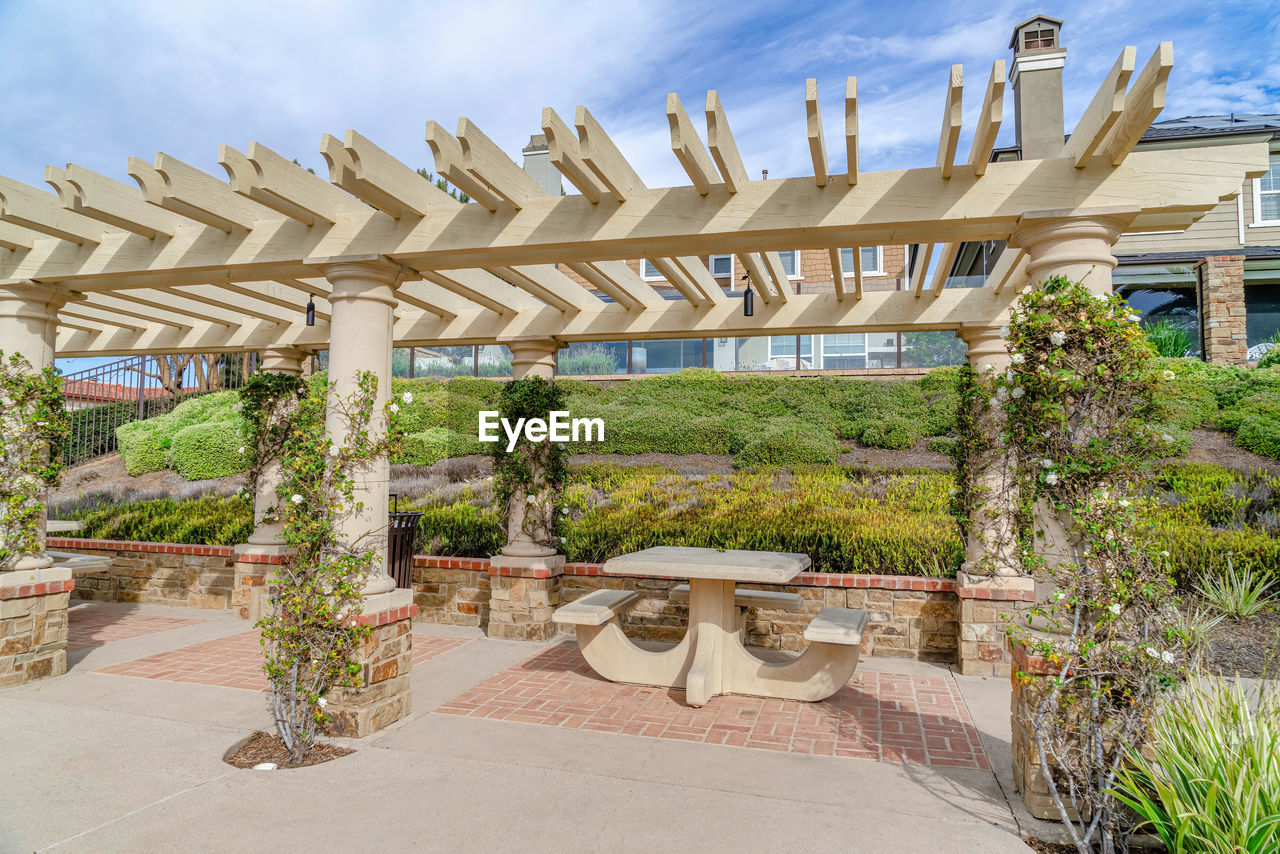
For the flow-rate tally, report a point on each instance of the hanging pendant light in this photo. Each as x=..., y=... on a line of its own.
x=748, y=300
x=311, y=310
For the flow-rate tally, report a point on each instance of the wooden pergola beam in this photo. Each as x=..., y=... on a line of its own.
x=1106, y=107
x=98, y=197
x=277, y=183
x=372, y=175
x=1010, y=266
x=688, y=148
x=851, y=128
x=174, y=186
x=724, y=149
x=40, y=211
x=837, y=272
x=562, y=143
x=753, y=263
x=951, y=119
x=603, y=157
x=813, y=131
x=483, y=159
x=989, y=120
x=1142, y=104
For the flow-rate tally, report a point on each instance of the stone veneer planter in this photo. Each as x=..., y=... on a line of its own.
x=33, y=624
x=910, y=617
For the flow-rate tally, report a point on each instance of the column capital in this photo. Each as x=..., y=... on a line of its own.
x=282, y=360
x=533, y=357
x=371, y=277
x=986, y=346
x=1076, y=244
x=27, y=299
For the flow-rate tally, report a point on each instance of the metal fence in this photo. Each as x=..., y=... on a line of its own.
x=99, y=400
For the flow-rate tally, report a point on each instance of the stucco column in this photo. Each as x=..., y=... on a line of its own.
x=29, y=327
x=275, y=360
x=362, y=304
x=1078, y=247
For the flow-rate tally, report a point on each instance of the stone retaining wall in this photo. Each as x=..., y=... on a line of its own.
x=154, y=573
x=33, y=624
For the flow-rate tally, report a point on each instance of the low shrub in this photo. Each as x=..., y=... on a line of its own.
x=147, y=446
x=210, y=520
x=788, y=443
x=461, y=530
x=203, y=451
x=1260, y=435
x=890, y=432
x=143, y=446
x=436, y=443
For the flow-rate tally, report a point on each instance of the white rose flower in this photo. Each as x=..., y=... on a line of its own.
x=563, y=540
x=1057, y=339
x=1169, y=375
x=1051, y=479
x=1152, y=651
x=1165, y=554
x=296, y=498
x=322, y=702
x=1002, y=392
x=241, y=451
x=1101, y=297
x=1123, y=502
x=1004, y=331
x=1058, y=596
x=995, y=402
x=1132, y=318
x=239, y=407
x=407, y=398
x=1017, y=358
x=395, y=408
x=1046, y=463
x=1114, y=609
x=1166, y=438
x=333, y=450
x=1168, y=657
x=1018, y=392
x=988, y=368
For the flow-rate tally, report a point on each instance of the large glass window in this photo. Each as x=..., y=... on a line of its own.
x=494, y=360
x=661, y=357
x=433, y=362
x=1165, y=298
x=1266, y=195
x=933, y=349
x=607, y=357
x=872, y=261
x=721, y=266
x=844, y=352
x=1261, y=300
x=791, y=263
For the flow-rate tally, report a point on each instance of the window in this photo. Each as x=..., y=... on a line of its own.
x=791, y=263
x=650, y=272
x=1037, y=39
x=1266, y=195
x=785, y=345
x=721, y=266
x=844, y=351
x=872, y=261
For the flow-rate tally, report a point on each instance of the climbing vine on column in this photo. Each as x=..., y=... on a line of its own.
x=1077, y=405
x=533, y=471
x=33, y=432
x=311, y=635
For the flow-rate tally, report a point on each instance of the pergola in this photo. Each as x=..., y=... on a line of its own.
x=187, y=262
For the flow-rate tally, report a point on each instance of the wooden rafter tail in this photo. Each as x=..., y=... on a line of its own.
x=174, y=186
x=372, y=175
x=81, y=313
x=1103, y=111
x=451, y=163
x=98, y=197
x=257, y=290
x=547, y=284
x=781, y=281
x=695, y=269
x=14, y=238
x=754, y=264
x=813, y=126
x=185, y=292
x=688, y=147
x=40, y=211
x=984, y=137
x=951, y=118
x=484, y=289
x=1009, y=267
x=603, y=157
x=100, y=304
x=676, y=277
x=170, y=305
x=79, y=327
x=282, y=185
x=406, y=296
x=724, y=150
x=620, y=282
x=922, y=267
x=837, y=273
x=562, y=144
x=943, y=271
x=483, y=159
x=1142, y=104
x=851, y=128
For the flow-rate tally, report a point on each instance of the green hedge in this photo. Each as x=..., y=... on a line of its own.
x=148, y=445
x=203, y=451
x=210, y=520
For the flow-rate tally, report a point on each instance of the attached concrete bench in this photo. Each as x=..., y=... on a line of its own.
x=772, y=600
x=78, y=562
x=843, y=626
x=595, y=609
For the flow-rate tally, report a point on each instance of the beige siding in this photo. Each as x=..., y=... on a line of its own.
x=1259, y=235
x=1216, y=230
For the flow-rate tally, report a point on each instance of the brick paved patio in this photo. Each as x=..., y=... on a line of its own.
x=917, y=720
x=87, y=628
x=236, y=661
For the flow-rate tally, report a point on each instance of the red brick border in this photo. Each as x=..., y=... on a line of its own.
x=391, y=615
x=43, y=588
x=996, y=594
x=134, y=546
x=1026, y=661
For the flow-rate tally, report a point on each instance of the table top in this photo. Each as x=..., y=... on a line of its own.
x=721, y=564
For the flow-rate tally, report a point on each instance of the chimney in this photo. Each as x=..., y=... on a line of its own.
x=1038, y=57
x=537, y=164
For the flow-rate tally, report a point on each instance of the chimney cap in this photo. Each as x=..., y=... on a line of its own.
x=1036, y=19
x=537, y=143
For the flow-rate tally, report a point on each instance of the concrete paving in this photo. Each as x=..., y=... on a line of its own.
x=93, y=762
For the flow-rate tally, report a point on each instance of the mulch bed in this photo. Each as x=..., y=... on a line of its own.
x=1248, y=647
x=264, y=747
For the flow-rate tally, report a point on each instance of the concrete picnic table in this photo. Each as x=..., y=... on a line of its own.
x=711, y=659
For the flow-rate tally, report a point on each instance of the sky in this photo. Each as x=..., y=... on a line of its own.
x=95, y=83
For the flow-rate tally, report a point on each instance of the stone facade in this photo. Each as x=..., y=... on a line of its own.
x=987, y=604
x=1029, y=678
x=521, y=605
x=1222, y=301
x=453, y=591
x=33, y=624
x=154, y=573
x=386, y=658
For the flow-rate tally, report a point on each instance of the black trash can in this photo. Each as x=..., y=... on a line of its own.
x=401, y=533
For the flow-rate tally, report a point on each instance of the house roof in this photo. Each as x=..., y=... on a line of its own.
x=1221, y=125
